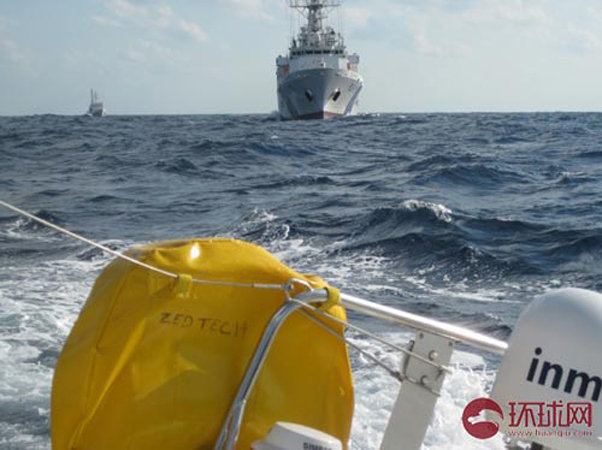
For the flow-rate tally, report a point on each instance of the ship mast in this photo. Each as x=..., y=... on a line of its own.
x=315, y=11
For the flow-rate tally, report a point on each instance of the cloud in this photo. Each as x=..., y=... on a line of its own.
x=581, y=41
x=152, y=53
x=357, y=17
x=428, y=40
x=155, y=17
x=15, y=56
x=133, y=55
x=11, y=50
x=507, y=13
x=106, y=21
x=249, y=8
x=163, y=15
x=194, y=30
x=595, y=12
x=458, y=28
x=131, y=11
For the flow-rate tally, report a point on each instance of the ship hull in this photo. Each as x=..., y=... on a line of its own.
x=96, y=110
x=318, y=93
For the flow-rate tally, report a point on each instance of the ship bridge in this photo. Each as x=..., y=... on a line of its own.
x=316, y=38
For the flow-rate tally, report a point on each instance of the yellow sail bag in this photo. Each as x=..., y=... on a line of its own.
x=154, y=362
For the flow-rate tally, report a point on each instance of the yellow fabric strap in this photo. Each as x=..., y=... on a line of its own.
x=334, y=298
x=182, y=286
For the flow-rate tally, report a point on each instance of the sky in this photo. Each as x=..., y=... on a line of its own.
x=218, y=56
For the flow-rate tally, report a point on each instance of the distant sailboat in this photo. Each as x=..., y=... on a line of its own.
x=96, y=108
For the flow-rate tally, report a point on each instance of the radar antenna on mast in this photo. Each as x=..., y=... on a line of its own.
x=314, y=10
x=314, y=3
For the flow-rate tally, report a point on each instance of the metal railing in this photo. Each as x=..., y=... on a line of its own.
x=417, y=322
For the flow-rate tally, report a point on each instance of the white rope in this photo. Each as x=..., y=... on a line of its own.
x=133, y=260
x=373, y=336
x=394, y=373
x=398, y=375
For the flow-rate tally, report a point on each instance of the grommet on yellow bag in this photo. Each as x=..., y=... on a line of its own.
x=334, y=298
x=183, y=285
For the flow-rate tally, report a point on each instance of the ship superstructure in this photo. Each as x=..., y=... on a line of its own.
x=318, y=79
x=96, y=108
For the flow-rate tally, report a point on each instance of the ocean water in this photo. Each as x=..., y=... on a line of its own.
x=461, y=217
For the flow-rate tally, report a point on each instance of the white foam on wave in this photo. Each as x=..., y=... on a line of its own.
x=276, y=236
x=570, y=176
x=306, y=256
x=38, y=306
x=17, y=229
x=507, y=292
x=442, y=212
x=460, y=290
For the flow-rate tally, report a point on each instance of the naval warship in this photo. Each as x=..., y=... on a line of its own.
x=318, y=79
